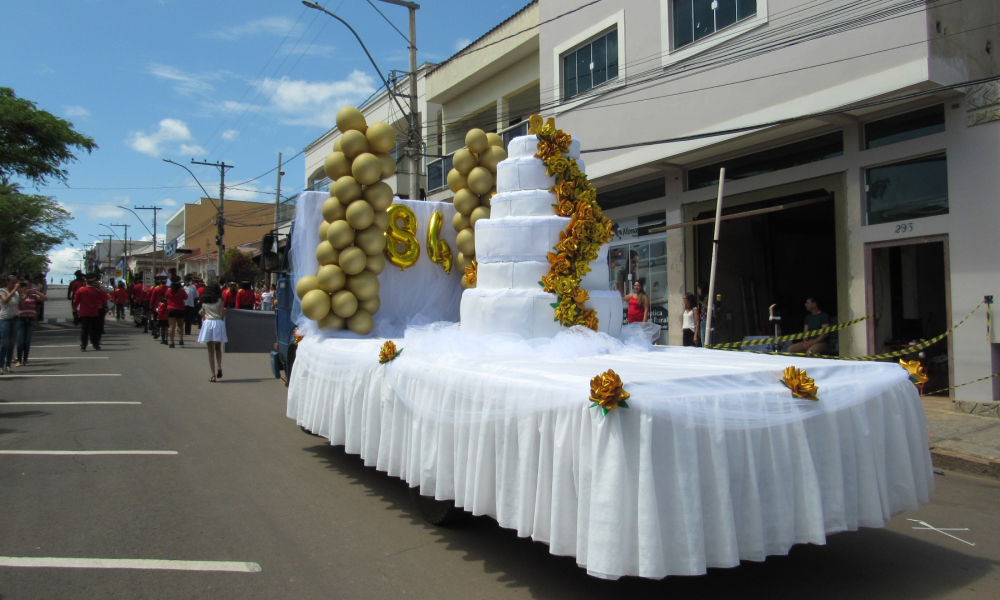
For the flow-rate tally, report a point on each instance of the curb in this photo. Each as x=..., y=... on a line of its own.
x=965, y=463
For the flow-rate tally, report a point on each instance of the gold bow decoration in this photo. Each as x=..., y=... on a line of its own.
x=916, y=371
x=388, y=352
x=471, y=275
x=608, y=392
x=801, y=385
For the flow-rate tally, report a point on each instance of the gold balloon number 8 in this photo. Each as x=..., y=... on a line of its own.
x=402, y=248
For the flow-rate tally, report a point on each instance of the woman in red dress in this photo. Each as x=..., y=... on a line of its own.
x=638, y=304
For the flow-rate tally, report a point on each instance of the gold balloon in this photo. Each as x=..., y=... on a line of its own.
x=361, y=322
x=322, y=230
x=464, y=161
x=352, y=260
x=331, y=322
x=486, y=199
x=350, y=118
x=465, y=201
x=456, y=180
x=360, y=215
x=480, y=181
x=491, y=157
x=366, y=168
x=375, y=263
x=364, y=285
x=381, y=137
x=462, y=261
x=466, y=242
x=372, y=305
x=495, y=140
x=344, y=304
x=476, y=141
x=316, y=304
x=340, y=234
x=306, y=285
x=388, y=164
x=336, y=165
x=333, y=210
x=326, y=254
x=353, y=143
x=379, y=195
x=460, y=222
x=401, y=248
x=336, y=146
x=438, y=249
x=371, y=240
x=381, y=220
x=331, y=278
x=347, y=189
x=481, y=212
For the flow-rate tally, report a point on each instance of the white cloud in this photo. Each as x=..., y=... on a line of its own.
x=63, y=262
x=461, y=43
x=267, y=26
x=300, y=102
x=171, y=130
x=77, y=111
x=248, y=192
x=230, y=134
x=184, y=83
x=192, y=150
x=42, y=69
x=320, y=50
x=167, y=202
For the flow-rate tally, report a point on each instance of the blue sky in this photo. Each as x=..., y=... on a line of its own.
x=216, y=80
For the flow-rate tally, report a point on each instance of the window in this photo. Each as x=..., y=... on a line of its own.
x=904, y=127
x=321, y=185
x=637, y=192
x=437, y=173
x=695, y=19
x=907, y=190
x=775, y=159
x=591, y=65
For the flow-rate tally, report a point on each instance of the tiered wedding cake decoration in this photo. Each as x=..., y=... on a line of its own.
x=541, y=255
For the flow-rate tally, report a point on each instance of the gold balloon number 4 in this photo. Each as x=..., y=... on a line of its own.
x=438, y=249
x=402, y=248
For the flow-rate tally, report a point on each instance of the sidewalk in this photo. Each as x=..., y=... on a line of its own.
x=961, y=442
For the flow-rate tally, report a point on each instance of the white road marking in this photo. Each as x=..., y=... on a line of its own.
x=58, y=346
x=130, y=563
x=13, y=376
x=942, y=530
x=73, y=358
x=2, y=404
x=87, y=452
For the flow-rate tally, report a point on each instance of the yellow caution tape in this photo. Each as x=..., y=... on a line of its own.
x=787, y=338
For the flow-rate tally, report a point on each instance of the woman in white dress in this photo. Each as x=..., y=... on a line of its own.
x=213, y=328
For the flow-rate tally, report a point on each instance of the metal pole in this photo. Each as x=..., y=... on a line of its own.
x=413, y=141
x=715, y=258
x=272, y=277
x=222, y=218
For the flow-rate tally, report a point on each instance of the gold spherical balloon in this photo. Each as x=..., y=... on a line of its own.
x=366, y=168
x=388, y=164
x=344, y=304
x=353, y=143
x=480, y=181
x=460, y=221
x=381, y=137
x=476, y=140
x=333, y=210
x=381, y=220
x=491, y=157
x=326, y=254
x=486, y=199
x=466, y=242
x=462, y=261
x=332, y=322
x=322, y=230
x=348, y=189
x=364, y=285
x=371, y=240
x=361, y=322
x=481, y=212
x=340, y=234
x=360, y=215
x=316, y=304
x=465, y=201
x=306, y=285
x=331, y=278
x=336, y=146
x=375, y=263
x=372, y=305
x=456, y=180
x=352, y=260
x=494, y=140
x=464, y=161
x=350, y=118
x=336, y=165
x=379, y=195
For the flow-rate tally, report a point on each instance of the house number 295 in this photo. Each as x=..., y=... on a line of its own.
x=903, y=228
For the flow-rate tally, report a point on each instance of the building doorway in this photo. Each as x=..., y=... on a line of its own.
x=909, y=294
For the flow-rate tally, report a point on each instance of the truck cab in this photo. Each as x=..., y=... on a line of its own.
x=283, y=355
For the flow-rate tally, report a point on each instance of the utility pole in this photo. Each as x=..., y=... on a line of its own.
x=277, y=212
x=155, y=210
x=125, y=270
x=413, y=135
x=221, y=220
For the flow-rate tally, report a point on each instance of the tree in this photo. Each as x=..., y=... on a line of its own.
x=30, y=226
x=239, y=266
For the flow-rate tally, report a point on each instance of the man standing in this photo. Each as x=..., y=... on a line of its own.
x=190, y=304
x=75, y=286
x=815, y=319
x=155, y=299
x=135, y=293
x=88, y=303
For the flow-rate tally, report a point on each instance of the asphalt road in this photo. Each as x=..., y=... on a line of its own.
x=247, y=485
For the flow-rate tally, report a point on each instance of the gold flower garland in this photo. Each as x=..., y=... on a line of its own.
x=918, y=376
x=388, y=352
x=587, y=231
x=608, y=392
x=800, y=384
x=471, y=274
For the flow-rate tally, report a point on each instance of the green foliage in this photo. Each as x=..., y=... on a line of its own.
x=30, y=226
x=237, y=265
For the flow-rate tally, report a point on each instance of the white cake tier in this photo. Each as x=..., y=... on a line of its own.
x=527, y=145
x=529, y=314
x=516, y=174
x=517, y=238
x=527, y=274
x=526, y=203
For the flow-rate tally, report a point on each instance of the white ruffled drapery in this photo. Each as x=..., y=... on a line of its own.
x=714, y=462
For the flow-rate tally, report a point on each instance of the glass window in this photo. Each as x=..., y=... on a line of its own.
x=907, y=190
x=639, y=192
x=590, y=65
x=645, y=262
x=904, y=127
x=569, y=75
x=775, y=159
x=695, y=19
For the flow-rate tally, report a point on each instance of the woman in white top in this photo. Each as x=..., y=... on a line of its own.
x=690, y=320
x=213, y=328
x=10, y=320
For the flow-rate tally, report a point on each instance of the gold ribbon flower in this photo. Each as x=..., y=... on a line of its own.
x=801, y=385
x=471, y=275
x=297, y=336
x=917, y=374
x=388, y=352
x=607, y=391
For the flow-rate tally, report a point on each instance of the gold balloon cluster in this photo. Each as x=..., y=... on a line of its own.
x=473, y=179
x=344, y=292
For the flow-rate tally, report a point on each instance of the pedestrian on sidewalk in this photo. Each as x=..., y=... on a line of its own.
x=190, y=310
x=120, y=298
x=267, y=299
x=10, y=321
x=213, y=328
x=43, y=287
x=89, y=302
x=176, y=297
x=31, y=300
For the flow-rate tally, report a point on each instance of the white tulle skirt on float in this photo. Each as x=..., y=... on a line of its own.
x=212, y=330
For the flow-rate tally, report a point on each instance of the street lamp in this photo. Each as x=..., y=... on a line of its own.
x=220, y=218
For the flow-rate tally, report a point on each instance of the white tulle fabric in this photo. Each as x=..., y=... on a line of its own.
x=420, y=295
x=714, y=462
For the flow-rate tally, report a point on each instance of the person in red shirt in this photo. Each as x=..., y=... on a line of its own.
x=88, y=302
x=229, y=296
x=155, y=300
x=162, y=315
x=245, y=297
x=75, y=286
x=175, y=297
x=120, y=298
x=135, y=297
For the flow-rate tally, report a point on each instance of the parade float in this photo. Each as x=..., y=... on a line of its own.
x=486, y=364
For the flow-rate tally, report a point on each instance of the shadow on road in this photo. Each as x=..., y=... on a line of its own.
x=22, y=414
